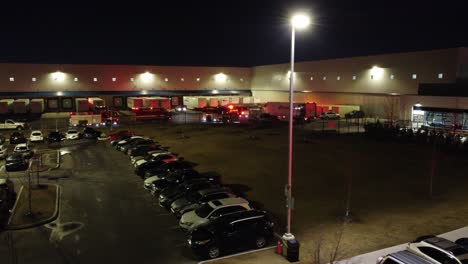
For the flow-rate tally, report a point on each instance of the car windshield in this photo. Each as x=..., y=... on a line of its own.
x=14, y=158
x=72, y=132
x=36, y=134
x=204, y=210
x=21, y=148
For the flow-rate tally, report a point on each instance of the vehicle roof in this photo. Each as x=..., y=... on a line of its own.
x=443, y=243
x=241, y=215
x=21, y=145
x=36, y=131
x=409, y=258
x=212, y=190
x=72, y=130
x=228, y=201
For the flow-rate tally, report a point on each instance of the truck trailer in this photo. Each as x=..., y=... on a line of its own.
x=37, y=106
x=21, y=106
x=96, y=103
x=81, y=105
x=6, y=105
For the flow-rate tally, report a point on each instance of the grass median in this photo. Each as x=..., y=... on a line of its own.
x=43, y=209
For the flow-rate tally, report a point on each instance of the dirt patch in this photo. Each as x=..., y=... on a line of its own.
x=43, y=207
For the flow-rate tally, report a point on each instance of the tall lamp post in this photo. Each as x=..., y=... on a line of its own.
x=298, y=21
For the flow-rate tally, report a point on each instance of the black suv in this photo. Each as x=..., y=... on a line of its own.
x=90, y=133
x=16, y=162
x=55, y=136
x=240, y=230
x=17, y=138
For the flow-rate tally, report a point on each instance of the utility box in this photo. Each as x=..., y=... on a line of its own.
x=292, y=250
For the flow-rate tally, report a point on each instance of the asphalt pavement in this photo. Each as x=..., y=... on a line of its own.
x=105, y=216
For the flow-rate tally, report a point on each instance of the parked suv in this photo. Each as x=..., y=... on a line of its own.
x=195, y=199
x=7, y=200
x=212, y=210
x=439, y=250
x=247, y=229
x=402, y=257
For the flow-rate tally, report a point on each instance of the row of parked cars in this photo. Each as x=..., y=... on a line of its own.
x=430, y=250
x=19, y=159
x=216, y=220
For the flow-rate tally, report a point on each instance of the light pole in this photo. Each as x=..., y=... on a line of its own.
x=298, y=21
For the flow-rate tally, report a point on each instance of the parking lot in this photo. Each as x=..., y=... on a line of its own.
x=104, y=206
x=111, y=217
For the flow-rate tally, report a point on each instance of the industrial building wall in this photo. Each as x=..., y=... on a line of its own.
x=19, y=78
x=382, y=74
x=409, y=101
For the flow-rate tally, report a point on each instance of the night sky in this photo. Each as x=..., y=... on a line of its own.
x=224, y=33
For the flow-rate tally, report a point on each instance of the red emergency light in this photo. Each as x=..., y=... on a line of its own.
x=230, y=107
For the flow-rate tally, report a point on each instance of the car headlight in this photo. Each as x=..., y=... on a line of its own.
x=161, y=197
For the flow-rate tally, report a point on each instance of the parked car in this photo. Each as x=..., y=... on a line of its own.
x=36, y=136
x=402, y=257
x=355, y=114
x=90, y=133
x=127, y=140
x=139, y=150
x=439, y=250
x=329, y=115
x=11, y=124
x=211, y=210
x=119, y=134
x=161, y=181
x=169, y=167
x=163, y=156
x=195, y=199
x=72, y=134
x=181, y=108
x=3, y=151
x=16, y=162
x=2, y=139
x=240, y=230
x=462, y=242
x=148, y=155
x=17, y=138
x=140, y=170
x=136, y=142
x=170, y=194
x=114, y=142
x=24, y=149
x=55, y=136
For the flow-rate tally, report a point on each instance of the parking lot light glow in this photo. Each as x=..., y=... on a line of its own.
x=418, y=105
x=58, y=76
x=147, y=76
x=220, y=77
x=59, y=93
x=377, y=73
x=300, y=21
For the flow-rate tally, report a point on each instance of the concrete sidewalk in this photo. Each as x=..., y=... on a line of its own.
x=269, y=256
x=266, y=255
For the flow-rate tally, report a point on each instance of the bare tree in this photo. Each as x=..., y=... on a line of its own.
x=391, y=105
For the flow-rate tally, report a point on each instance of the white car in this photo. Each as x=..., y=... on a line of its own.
x=72, y=134
x=330, y=115
x=36, y=136
x=3, y=151
x=121, y=142
x=142, y=161
x=133, y=160
x=212, y=210
x=439, y=250
x=24, y=149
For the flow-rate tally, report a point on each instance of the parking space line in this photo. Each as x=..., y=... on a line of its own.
x=235, y=255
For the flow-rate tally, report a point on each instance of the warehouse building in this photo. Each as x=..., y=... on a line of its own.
x=427, y=86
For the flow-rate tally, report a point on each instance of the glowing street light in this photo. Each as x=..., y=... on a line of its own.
x=298, y=21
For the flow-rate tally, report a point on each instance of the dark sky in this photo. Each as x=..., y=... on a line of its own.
x=223, y=32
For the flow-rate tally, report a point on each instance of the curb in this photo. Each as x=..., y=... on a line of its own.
x=14, y=206
x=235, y=255
x=48, y=220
